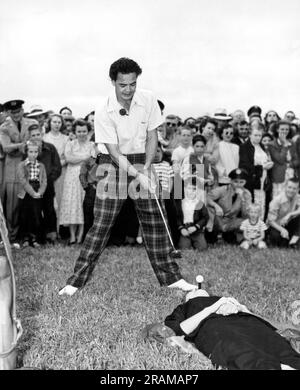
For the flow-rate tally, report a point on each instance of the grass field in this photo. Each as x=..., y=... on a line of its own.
x=99, y=327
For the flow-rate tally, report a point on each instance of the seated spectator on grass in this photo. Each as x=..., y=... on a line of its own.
x=48, y=155
x=192, y=217
x=283, y=154
x=229, y=206
x=241, y=133
x=33, y=180
x=256, y=162
x=208, y=129
x=253, y=229
x=184, y=149
x=88, y=180
x=284, y=216
x=228, y=155
x=229, y=334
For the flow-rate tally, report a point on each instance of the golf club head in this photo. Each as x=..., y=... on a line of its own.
x=175, y=254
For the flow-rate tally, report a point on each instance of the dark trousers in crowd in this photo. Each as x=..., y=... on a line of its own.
x=49, y=215
x=228, y=227
x=31, y=216
x=275, y=238
x=126, y=225
x=171, y=211
x=88, y=208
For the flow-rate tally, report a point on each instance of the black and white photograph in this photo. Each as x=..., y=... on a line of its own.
x=149, y=188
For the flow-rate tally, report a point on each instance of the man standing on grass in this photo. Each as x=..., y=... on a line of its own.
x=127, y=126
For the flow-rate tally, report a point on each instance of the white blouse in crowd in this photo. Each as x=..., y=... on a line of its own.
x=228, y=160
x=260, y=156
x=76, y=152
x=59, y=141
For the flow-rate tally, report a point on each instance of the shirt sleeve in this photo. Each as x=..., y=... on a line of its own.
x=273, y=210
x=105, y=132
x=155, y=117
x=263, y=226
x=244, y=224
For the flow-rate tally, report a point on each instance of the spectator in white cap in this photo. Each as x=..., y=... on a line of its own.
x=221, y=117
x=37, y=113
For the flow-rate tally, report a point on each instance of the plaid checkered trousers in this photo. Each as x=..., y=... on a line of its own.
x=112, y=192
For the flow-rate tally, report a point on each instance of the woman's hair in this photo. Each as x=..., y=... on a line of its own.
x=198, y=138
x=267, y=135
x=185, y=122
x=87, y=116
x=81, y=122
x=65, y=108
x=62, y=127
x=207, y=120
x=32, y=143
x=293, y=180
x=280, y=123
x=224, y=127
x=125, y=66
x=265, y=118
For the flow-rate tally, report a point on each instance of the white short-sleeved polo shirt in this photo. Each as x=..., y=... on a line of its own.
x=127, y=131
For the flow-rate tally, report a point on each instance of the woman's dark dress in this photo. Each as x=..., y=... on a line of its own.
x=239, y=341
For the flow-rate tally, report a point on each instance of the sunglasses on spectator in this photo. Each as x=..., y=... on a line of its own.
x=171, y=124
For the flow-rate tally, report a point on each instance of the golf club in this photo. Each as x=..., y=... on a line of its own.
x=175, y=253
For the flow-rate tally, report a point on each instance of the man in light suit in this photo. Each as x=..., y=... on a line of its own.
x=13, y=136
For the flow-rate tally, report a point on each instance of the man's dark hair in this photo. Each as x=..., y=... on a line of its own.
x=124, y=65
x=243, y=123
x=199, y=138
x=294, y=180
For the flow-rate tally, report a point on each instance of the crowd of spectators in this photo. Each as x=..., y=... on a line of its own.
x=231, y=177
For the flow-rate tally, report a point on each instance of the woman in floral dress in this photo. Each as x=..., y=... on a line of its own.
x=71, y=210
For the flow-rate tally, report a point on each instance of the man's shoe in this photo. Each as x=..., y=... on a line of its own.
x=183, y=285
x=68, y=290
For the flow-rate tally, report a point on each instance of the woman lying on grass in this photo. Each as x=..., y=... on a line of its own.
x=229, y=334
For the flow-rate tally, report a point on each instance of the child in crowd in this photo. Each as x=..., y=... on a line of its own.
x=184, y=149
x=192, y=217
x=165, y=177
x=88, y=180
x=196, y=164
x=33, y=179
x=253, y=229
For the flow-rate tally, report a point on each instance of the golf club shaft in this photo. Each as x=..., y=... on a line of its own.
x=165, y=222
